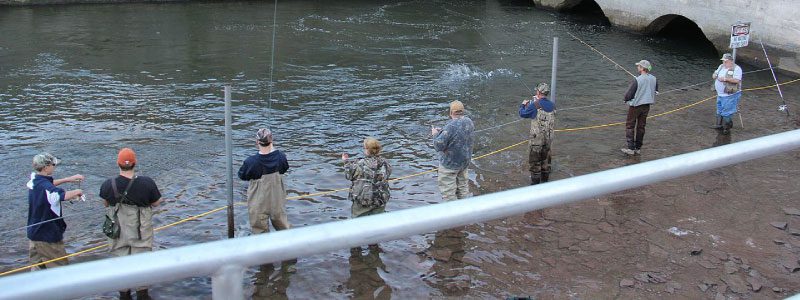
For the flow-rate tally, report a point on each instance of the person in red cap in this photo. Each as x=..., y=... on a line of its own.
x=130, y=198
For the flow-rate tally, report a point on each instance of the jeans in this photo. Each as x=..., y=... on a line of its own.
x=634, y=125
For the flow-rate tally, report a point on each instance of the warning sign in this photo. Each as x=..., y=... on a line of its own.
x=740, y=35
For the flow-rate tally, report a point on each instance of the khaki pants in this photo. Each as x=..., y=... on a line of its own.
x=266, y=202
x=453, y=184
x=43, y=251
x=135, y=230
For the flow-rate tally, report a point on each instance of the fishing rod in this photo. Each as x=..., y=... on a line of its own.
x=783, y=107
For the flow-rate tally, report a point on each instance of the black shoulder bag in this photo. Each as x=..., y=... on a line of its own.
x=111, y=225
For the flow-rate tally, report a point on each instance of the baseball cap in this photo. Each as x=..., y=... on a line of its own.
x=264, y=136
x=456, y=107
x=645, y=64
x=543, y=88
x=126, y=157
x=726, y=56
x=44, y=159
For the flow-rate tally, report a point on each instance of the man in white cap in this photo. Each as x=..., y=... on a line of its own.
x=640, y=94
x=728, y=83
x=45, y=226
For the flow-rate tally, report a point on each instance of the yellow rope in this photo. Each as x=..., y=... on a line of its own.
x=395, y=179
x=52, y=260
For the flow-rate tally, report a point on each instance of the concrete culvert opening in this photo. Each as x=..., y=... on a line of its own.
x=522, y=3
x=681, y=29
x=587, y=11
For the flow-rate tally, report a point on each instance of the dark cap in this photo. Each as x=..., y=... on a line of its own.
x=264, y=136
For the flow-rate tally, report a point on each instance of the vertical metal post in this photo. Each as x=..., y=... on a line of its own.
x=555, y=67
x=229, y=156
x=734, y=55
x=227, y=283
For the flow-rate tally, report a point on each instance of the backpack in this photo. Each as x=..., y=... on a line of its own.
x=371, y=189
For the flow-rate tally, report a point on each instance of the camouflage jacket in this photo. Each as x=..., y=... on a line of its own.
x=542, y=115
x=370, y=177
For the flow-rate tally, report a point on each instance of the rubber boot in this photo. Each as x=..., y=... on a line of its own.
x=545, y=176
x=536, y=178
x=718, y=125
x=126, y=295
x=142, y=295
x=727, y=124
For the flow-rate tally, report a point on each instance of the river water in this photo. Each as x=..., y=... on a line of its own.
x=82, y=81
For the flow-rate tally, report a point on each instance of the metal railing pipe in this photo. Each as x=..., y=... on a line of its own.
x=227, y=283
x=206, y=259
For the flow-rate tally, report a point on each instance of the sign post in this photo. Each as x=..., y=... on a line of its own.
x=740, y=36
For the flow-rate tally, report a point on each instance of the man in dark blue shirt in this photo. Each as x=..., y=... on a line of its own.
x=45, y=226
x=266, y=193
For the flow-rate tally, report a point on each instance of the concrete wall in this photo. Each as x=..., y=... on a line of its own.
x=49, y=2
x=776, y=22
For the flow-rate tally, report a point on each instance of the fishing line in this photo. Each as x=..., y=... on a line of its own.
x=601, y=53
x=483, y=24
x=272, y=60
x=783, y=107
x=91, y=211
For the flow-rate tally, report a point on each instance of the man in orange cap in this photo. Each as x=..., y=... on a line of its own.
x=132, y=206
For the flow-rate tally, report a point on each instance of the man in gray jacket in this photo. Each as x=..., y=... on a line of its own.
x=454, y=145
x=640, y=95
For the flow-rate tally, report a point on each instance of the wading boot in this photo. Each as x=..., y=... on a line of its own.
x=545, y=176
x=126, y=295
x=536, y=178
x=142, y=295
x=718, y=125
x=727, y=124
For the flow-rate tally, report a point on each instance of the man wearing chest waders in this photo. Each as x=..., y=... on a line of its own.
x=541, y=111
x=131, y=199
x=266, y=192
x=640, y=95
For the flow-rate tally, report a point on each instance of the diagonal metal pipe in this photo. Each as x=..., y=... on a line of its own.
x=226, y=258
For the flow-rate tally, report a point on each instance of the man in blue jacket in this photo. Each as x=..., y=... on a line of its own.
x=266, y=194
x=541, y=111
x=454, y=144
x=46, y=228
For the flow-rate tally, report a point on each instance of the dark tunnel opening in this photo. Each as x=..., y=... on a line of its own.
x=682, y=30
x=522, y=3
x=586, y=11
